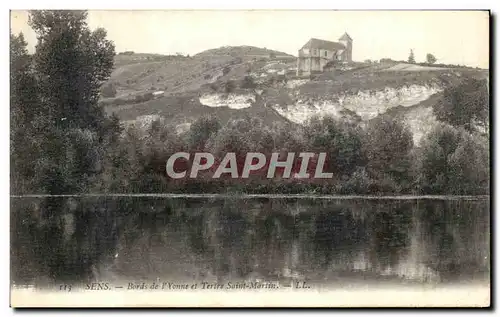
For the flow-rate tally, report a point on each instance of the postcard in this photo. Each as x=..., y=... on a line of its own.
x=264, y=158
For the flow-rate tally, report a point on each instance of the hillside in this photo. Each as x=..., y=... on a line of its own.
x=244, y=52
x=136, y=74
x=182, y=80
x=234, y=82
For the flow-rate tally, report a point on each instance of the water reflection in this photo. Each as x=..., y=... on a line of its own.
x=328, y=241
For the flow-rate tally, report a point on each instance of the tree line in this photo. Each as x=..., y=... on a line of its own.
x=380, y=158
x=62, y=142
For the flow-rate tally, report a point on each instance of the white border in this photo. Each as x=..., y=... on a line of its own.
x=188, y=4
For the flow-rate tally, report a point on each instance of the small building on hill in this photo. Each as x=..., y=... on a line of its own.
x=315, y=54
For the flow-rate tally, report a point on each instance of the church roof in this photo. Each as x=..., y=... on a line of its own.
x=324, y=45
x=345, y=37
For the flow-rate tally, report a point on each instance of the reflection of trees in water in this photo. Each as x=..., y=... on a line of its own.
x=235, y=243
x=337, y=237
x=235, y=239
x=66, y=237
x=220, y=237
x=233, y=249
x=142, y=228
x=458, y=234
x=274, y=235
x=390, y=231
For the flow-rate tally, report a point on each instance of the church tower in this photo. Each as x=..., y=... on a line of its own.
x=347, y=41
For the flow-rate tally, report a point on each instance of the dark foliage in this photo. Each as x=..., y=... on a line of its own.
x=465, y=105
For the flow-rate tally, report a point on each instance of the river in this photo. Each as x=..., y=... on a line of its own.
x=328, y=242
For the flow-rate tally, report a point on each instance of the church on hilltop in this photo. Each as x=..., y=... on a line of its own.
x=315, y=54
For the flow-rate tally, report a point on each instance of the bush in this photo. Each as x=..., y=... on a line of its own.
x=237, y=60
x=386, y=60
x=248, y=83
x=340, y=140
x=454, y=161
x=465, y=105
x=200, y=131
x=229, y=86
x=386, y=147
x=214, y=87
x=431, y=59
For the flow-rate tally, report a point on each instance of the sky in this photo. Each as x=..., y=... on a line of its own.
x=455, y=37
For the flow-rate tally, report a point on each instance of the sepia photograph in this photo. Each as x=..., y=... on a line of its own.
x=250, y=158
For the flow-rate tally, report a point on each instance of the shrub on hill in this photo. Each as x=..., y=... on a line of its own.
x=226, y=70
x=465, y=105
x=248, y=83
x=126, y=53
x=229, y=86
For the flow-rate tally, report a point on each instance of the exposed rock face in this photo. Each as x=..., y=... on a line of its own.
x=232, y=101
x=183, y=127
x=356, y=107
x=294, y=83
x=367, y=104
x=420, y=120
x=144, y=122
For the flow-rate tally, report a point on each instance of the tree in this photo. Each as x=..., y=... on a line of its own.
x=386, y=145
x=226, y=70
x=287, y=137
x=411, y=58
x=229, y=86
x=248, y=82
x=71, y=63
x=454, y=161
x=469, y=166
x=465, y=105
x=200, y=131
x=434, y=166
x=431, y=59
x=24, y=109
x=61, y=130
x=341, y=141
x=240, y=136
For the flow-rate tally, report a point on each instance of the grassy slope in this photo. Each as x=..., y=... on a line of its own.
x=242, y=51
x=187, y=108
x=184, y=79
x=420, y=117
